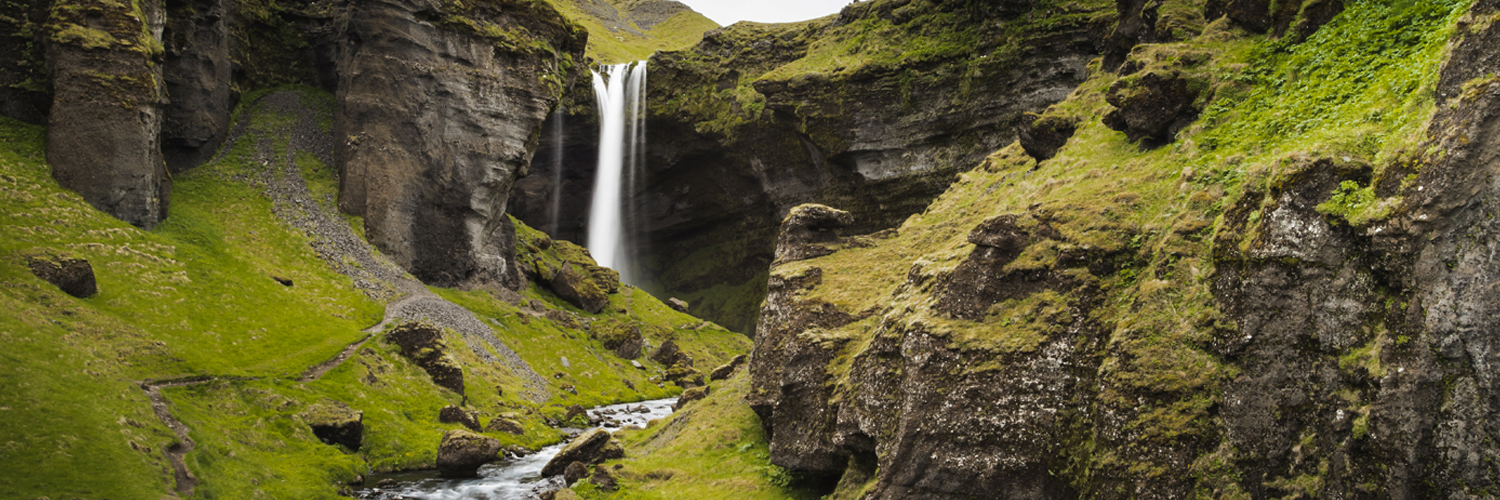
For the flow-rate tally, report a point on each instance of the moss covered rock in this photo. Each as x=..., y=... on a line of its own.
x=334, y=422
x=462, y=453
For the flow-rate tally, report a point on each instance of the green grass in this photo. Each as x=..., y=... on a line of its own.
x=611, y=46
x=713, y=449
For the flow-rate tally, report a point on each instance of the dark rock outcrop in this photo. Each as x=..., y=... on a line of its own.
x=423, y=344
x=806, y=229
x=604, y=480
x=24, y=94
x=433, y=128
x=104, y=127
x=454, y=415
x=198, y=72
x=623, y=340
x=1043, y=135
x=576, y=287
x=575, y=472
x=336, y=423
x=677, y=304
x=689, y=396
x=727, y=369
x=590, y=448
x=74, y=276
x=1152, y=107
x=462, y=453
x=506, y=425
x=669, y=354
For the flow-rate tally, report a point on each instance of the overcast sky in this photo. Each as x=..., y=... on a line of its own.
x=727, y=12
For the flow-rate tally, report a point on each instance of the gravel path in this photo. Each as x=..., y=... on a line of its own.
x=351, y=255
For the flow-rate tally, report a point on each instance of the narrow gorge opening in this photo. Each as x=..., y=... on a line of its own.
x=620, y=91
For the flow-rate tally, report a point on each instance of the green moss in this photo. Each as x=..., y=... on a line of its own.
x=613, y=44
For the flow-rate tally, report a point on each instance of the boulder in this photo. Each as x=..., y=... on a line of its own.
x=604, y=480
x=808, y=230
x=455, y=415
x=575, y=411
x=574, y=472
x=74, y=276
x=669, y=354
x=423, y=344
x=1042, y=135
x=684, y=376
x=690, y=396
x=624, y=340
x=335, y=423
x=463, y=452
x=590, y=448
x=506, y=425
x=1152, y=107
x=677, y=304
x=576, y=288
x=728, y=369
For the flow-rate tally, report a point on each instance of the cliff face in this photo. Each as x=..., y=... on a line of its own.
x=759, y=118
x=439, y=108
x=1256, y=307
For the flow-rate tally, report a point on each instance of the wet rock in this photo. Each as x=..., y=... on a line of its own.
x=455, y=415
x=808, y=230
x=1043, y=135
x=677, y=304
x=386, y=483
x=576, y=288
x=728, y=369
x=506, y=425
x=1152, y=107
x=104, y=127
x=603, y=479
x=336, y=423
x=574, y=472
x=462, y=453
x=74, y=276
x=690, y=396
x=423, y=344
x=590, y=448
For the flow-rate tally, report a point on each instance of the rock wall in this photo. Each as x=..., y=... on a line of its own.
x=435, y=124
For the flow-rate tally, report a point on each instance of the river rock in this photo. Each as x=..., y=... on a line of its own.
x=423, y=344
x=690, y=396
x=727, y=370
x=506, y=425
x=574, y=472
x=590, y=448
x=463, y=452
x=454, y=415
x=335, y=423
x=74, y=276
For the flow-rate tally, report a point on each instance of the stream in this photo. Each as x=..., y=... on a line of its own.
x=507, y=478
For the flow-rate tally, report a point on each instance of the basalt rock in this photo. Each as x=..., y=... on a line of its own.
x=23, y=72
x=689, y=396
x=580, y=289
x=727, y=370
x=423, y=344
x=455, y=415
x=669, y=354
x=806, y=229
x=590, y=448
x=604, y=480
x=624, y=340
x=434, y=130
x=462, y=453
x=506, y=425
x=1152, y=107
x=336, y=423
x=74, y=276
x=1043, y=135
x=104, y=126
x=575, y=472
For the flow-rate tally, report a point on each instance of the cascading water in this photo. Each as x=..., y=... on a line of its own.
x=621, y=93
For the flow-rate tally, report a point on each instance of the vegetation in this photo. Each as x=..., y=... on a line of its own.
x=621, y=38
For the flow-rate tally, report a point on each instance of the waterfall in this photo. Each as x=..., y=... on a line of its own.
x=621, y=93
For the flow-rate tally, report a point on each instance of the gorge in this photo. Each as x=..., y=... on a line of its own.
x=917, y=249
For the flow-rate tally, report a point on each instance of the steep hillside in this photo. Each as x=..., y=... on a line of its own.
x=631, y=30
x=1248, y=266
x=216, y=339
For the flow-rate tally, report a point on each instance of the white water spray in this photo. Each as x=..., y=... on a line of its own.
x=621, y=94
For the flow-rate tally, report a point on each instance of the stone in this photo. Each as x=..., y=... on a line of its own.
x=592, y=447
x=637, y=365
x=574, y=472
x=506, y=425
x=454, y=415
x=74, y=276
x=808, y=230
x=667, y=353
x=335, y=423
x=575, y=411
x=1042, y=135
x=576, y=288
x=677, y=305
x=1152, y=107
x=199, y=77
x=727, y=369
x=463, y=452
x=604, y=480
x=104, y=126
x=428, y=146
x=423, y=344
x=684, y=376
x=690, y=396
x=623, y=340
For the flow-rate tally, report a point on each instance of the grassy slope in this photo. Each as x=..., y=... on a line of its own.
x=607, y=46
x=195, y=297
x=1358, y=91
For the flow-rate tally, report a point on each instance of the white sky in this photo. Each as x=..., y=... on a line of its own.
x=727, y=12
